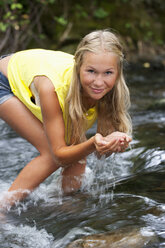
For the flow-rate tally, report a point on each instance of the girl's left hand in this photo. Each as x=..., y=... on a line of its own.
x=123, y=139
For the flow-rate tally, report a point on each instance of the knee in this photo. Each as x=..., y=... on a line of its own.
x=74, y=170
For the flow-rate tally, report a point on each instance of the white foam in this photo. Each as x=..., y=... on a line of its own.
x=147, y=232
x=25, y=236
x=42, y=194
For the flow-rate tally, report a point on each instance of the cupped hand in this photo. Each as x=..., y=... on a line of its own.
x=114, y=142
x=123, y=139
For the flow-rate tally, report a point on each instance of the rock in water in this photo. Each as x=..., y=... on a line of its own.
x=118, y=239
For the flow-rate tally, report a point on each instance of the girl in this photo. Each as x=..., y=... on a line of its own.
x=51, y=99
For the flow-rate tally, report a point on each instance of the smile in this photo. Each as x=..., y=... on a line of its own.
x=97, y=91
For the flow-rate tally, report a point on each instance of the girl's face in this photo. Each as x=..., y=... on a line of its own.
x=98, y=74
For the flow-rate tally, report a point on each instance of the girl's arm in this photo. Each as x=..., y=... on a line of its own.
x=54, y=126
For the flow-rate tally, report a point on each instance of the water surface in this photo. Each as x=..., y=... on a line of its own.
x=123, y=191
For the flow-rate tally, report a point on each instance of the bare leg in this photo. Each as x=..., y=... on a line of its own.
x=29, y=127
x=72, y=177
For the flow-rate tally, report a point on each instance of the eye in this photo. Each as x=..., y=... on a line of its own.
x=108, y=72
x=91, y=71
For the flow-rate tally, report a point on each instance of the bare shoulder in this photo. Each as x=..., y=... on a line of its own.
x=4, y=64
x=47, y=94
x=43, y=83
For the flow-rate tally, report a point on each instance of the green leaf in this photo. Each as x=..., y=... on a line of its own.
x=61, y=20
x=128, y=25
x=100, y=13
x=7, y=15
x=80, y=11
x=3, y=26
x=16, y=6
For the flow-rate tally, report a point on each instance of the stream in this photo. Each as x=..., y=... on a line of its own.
x=122, y=192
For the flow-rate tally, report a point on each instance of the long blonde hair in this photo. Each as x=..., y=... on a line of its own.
x=113, y=107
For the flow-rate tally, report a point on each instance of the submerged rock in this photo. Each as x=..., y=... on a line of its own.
x=118, y=239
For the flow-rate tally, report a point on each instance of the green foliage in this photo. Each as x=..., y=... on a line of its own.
x=3, y=27
x=80, y=11
x=54, y=23
x=61, y=20
x=100, y=13
x=16, y=6
x=128, y=25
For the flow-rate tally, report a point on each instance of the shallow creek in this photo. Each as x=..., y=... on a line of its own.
x=123, y=192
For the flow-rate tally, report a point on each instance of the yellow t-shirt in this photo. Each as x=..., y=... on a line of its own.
x=57, y=66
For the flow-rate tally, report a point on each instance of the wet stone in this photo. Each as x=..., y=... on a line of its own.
x=118, y=239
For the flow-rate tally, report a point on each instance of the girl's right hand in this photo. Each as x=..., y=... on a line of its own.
x=104, y=146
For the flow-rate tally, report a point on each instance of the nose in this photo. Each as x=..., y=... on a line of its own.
x=99, y=81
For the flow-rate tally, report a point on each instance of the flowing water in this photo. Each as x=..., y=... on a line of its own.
x=124, y=191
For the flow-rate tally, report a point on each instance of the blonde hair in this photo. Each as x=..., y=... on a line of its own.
x=113, y=107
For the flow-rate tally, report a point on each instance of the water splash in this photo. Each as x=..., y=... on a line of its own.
x=25, y=237
x=100, y=180
x=48, y=193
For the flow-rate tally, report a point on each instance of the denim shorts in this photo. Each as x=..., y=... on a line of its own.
x=5, y=90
